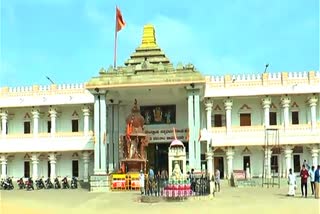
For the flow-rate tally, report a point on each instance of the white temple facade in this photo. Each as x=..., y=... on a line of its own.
x=74, y=130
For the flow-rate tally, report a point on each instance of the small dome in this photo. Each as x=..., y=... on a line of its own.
x=177, y=143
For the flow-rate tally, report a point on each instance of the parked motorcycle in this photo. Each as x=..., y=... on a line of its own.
x=7, y=184
x=29, y=184
x=65, y=184
x=48, y=184
x=21, y=184
x=74, y=183
x=57, y=183
x=40, y=184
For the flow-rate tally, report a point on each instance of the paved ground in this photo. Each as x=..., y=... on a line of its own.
x=229, y=200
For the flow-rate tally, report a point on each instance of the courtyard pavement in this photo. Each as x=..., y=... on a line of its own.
x=229, y=200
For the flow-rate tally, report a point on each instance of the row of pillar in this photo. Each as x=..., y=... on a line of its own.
x=52, y=157
x=53, y=115
x=266, y=104
x=288, y=151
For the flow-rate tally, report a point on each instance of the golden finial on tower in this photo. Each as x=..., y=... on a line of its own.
x=148, y=37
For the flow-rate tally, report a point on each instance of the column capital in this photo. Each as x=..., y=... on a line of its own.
x=228, y=104
x=266, y=102
x=52, y=112
x=312, y=100
x=35, y=157
x=285, y=101
x=52, y=156
x=86, y=111
x=4, y=114
x=3, y=158
x=208, y=104
x=86, y=155
x=35, y=113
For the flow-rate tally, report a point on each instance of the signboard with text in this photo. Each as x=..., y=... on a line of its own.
x=166, y=135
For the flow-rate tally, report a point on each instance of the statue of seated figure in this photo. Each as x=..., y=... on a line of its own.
x=176, y=173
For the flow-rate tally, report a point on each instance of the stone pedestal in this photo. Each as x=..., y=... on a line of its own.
x=100, y=183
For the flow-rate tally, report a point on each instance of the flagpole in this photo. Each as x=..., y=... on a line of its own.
x=115, y=42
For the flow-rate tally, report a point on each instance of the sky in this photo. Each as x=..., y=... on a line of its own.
x=70, y=40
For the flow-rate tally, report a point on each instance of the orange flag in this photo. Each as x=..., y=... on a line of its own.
x=120, y=23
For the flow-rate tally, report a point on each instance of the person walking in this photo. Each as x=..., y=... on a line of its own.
x=141, y=182
x=292, y=183
x=311, y=174
x=217, y=180
x=304, y=174
x=317, y=182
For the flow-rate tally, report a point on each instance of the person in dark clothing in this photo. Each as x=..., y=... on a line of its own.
x=304, y=174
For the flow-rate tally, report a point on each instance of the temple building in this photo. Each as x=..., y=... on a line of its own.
x=269, y=122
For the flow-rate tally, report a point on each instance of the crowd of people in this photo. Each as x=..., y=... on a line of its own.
x=307, y=173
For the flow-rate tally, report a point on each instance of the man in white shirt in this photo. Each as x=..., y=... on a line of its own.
x=312, y=178
x=292, y=183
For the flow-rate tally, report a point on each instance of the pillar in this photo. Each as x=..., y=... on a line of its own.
x=285, y=102
x=191, y=130
x=266, y=102
x=4, y=118
x=53, y=116
x=230, y=154
x=100, y=147
x=3, y=159
x=228, y=107
x=53, y=160
x=197, y=130
x=208, y=105
x=267, y=163
x=35, y=161
x=288, y=157
x=35, y=115
x=209, y=157
x=315, y=155
x=86, y=159
x=313, y=111
x=86, y=114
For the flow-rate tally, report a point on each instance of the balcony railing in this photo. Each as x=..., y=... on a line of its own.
x=47, y=135
x=255, y=135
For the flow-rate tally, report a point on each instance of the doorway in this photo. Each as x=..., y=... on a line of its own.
x=296, y=163
x=27, y=169
x=75, y=168
x=246, y=160
x=218, y=164
x=49, y=169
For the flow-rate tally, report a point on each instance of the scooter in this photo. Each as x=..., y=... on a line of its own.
x=48, y=184
x=29, y=184
x=74, y=183
x=57, y=184
x=21, y=184
x=65, y=184
x=7, y=184
x=40, y=184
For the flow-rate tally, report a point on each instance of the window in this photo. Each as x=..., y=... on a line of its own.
x=295, y=117
x=49, y=126
x=217, y=120
x=27, y=127
x=27, y=169
x=273, y=118
x=274, y=164
x=75, y=125
x=75, y=168
x=245, y=119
